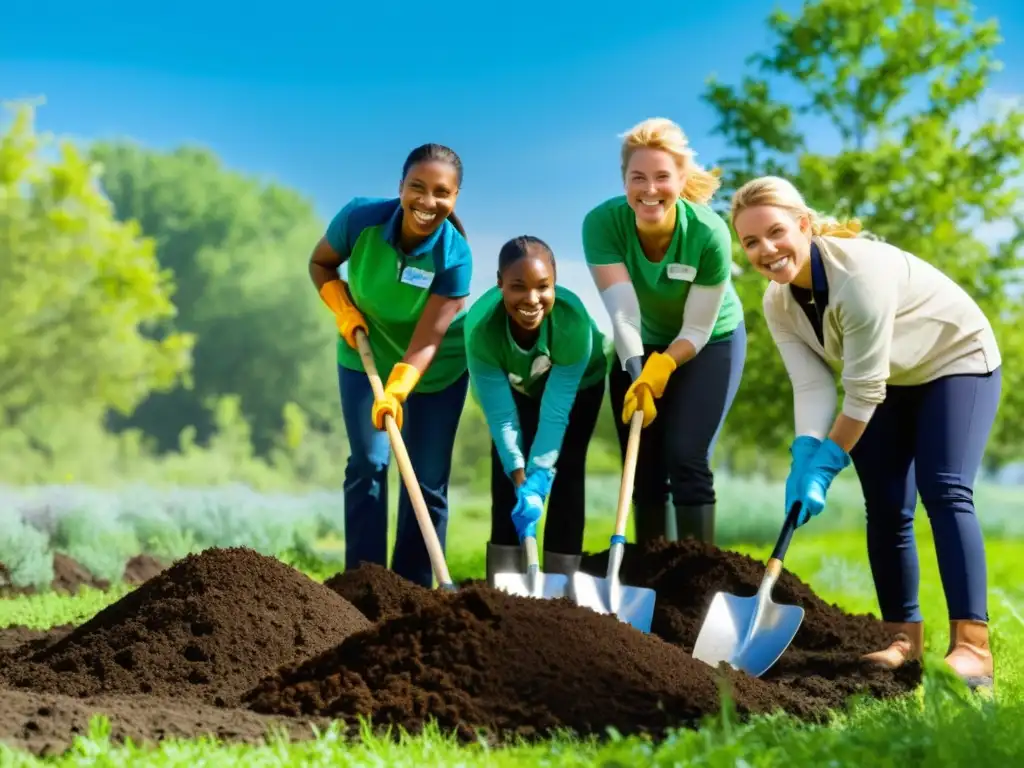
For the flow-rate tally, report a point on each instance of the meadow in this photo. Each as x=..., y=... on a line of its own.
x=941, y=723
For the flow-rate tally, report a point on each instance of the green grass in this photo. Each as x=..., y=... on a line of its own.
x=943, y=725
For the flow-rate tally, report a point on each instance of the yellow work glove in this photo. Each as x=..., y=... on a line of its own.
x=401, y=382
x=649, y=386
x=349, y=318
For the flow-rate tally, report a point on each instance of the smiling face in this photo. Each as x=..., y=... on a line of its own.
x=777, y=244
x=654, y=182
x=528, y=289
x=427, y=194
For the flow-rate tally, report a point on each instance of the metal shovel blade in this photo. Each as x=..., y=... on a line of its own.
x=533, y=583
x=632, y=605
x=737, y=632
x=751, y=633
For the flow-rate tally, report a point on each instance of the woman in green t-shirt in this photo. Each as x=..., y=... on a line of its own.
x=662, y=261
x=537, y=366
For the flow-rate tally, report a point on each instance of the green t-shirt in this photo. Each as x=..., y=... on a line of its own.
x=700, y=253
x=568, y=356
x=391, y=288
x=563, y=333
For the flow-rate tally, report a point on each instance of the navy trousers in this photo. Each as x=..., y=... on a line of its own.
x=429, y=424
x=676, y=448
x=928, y=439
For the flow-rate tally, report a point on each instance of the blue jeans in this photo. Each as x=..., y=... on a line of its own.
x=928, y=439
x=430, y=421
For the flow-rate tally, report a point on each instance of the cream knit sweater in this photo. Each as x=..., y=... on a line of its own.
x=891, y=318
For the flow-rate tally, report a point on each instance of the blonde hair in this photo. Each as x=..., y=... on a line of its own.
x=779, y=193
x=661, y=133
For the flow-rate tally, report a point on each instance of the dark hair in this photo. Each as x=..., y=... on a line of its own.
x=519, y=247
x=425, y=153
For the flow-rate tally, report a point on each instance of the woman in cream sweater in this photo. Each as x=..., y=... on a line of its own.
x=920, y=372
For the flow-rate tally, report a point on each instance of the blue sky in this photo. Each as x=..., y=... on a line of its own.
x=329, y=99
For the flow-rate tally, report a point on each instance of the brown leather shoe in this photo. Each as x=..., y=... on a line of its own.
x=907, y=645
x=969, y=654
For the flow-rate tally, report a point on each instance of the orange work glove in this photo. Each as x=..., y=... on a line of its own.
x=349, y=318
x=401, y=382
x=649, y=386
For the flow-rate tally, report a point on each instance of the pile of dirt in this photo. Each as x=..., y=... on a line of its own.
x=206, y=629
x=69, y=576
x=481, y=659
x=823, y=663
x=264, y=644
x=380, y=593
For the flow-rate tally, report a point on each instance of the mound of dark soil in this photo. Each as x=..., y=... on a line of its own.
x=380, y=593
x=823, y=662
x=207, y=628
x=17, y=637
x=510, y=666
x=46, y=724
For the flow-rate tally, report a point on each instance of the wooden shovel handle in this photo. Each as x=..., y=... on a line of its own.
x=412, y=485
x=636, y=424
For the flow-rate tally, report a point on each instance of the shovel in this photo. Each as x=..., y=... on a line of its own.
x=633, y=605
x=412, y=485
x=751, y=633
x=534, y=583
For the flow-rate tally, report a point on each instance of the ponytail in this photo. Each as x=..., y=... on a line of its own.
x=832, y=227
x=457, y=223
x=701, y=184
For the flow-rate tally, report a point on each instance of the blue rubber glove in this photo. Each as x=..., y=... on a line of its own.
x=530, y=498
x=827, y=462
x=802, y=449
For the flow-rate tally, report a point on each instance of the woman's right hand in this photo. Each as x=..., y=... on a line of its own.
x=347, y=316
x=349, y=321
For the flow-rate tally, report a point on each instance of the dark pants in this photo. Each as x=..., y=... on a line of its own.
x=676, y=448
x=566, y=515
x=428, y=429
x=928, y=439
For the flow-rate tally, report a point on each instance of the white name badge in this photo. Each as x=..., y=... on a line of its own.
x=681, y=272
x=418, y=278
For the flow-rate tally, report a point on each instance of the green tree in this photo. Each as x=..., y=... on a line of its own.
x=238, y=249
x=902, y=86
x=78, y=293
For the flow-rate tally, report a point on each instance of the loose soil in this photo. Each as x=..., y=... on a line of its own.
x=230, y=642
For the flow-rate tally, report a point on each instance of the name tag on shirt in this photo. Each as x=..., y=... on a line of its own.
x=681, y=272
x=416, y=277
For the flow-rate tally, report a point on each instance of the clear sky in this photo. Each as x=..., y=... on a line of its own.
x=328, y=98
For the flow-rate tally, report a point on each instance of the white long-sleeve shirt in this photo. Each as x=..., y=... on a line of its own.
x=892, y=319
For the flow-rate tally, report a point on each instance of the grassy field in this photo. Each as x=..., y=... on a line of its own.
x=943, y=725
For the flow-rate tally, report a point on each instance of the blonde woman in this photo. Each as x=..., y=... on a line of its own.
x=921, y=377
x=662, y=261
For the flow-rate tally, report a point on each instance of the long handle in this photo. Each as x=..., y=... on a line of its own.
x=412, y=485
x=782, y=543
x=636, y=424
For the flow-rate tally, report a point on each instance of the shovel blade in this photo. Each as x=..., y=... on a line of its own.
x=544, y=586
x=632, y=605
x=730, y=635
